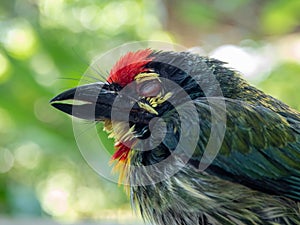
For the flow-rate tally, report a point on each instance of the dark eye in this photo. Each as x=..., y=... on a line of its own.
x=149, y=88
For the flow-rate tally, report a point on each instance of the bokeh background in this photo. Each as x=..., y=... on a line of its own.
x=45, y=47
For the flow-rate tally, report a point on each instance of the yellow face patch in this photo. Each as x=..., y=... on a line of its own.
x=147, y=107
x=157, y=100
x=146, y=76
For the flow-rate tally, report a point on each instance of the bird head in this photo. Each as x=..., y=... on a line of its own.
x=141, y=87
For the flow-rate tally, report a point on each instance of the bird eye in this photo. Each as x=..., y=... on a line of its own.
x=149, y=88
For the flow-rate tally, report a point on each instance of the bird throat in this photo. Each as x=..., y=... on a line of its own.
x=124, y=142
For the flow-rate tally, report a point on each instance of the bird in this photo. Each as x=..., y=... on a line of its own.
x=162, y=108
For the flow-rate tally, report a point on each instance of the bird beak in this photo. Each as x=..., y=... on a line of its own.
x=91, y=102
x=95, y=102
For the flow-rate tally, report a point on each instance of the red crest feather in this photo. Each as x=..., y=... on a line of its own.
x=129, y=66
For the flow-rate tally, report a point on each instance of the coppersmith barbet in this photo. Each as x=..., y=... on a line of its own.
x=254, y=177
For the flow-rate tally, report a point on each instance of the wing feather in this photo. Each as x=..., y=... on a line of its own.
x=261, y=147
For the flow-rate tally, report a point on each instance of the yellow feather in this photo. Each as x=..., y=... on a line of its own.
x=147, y=107
x=146, y=76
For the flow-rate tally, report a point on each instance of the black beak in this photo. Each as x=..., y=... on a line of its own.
x=90, y=102
x=95, y=102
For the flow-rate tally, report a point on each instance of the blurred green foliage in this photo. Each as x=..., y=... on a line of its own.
x=45, y=47
x=283, y=83
x=280, y=17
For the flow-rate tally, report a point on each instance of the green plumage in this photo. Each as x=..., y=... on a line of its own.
x=254, y=179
